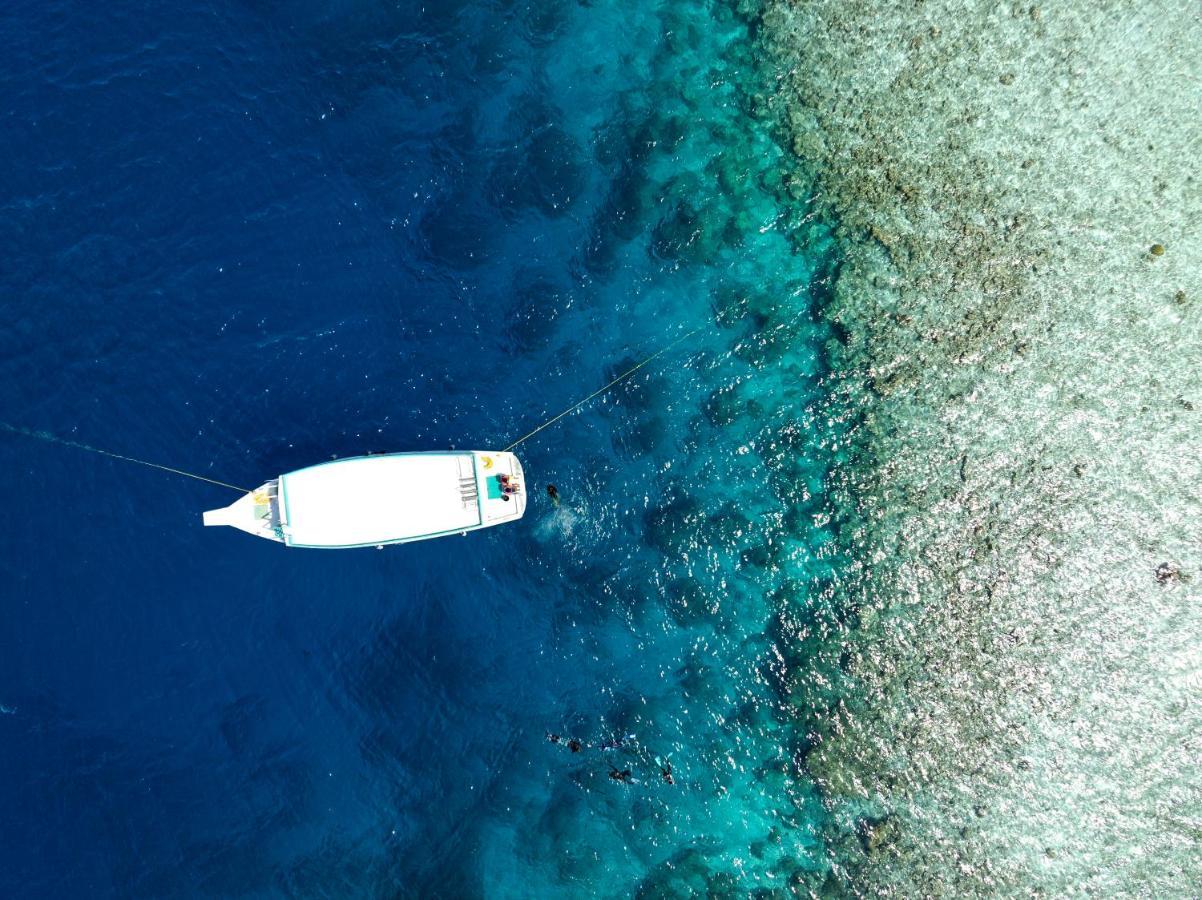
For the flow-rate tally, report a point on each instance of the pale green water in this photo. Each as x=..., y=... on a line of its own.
x=1020, y=355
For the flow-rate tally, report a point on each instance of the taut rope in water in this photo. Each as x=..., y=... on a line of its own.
x=55, y=439
x=571, y=409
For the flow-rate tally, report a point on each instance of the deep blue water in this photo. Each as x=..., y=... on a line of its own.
x=244, y=237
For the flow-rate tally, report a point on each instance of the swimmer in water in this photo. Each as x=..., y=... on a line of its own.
x=571, y=743
x=665, y=769
x=615, y=742
x=622, y=775
x=553, y=493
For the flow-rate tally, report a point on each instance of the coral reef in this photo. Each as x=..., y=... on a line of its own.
x=1017, y=346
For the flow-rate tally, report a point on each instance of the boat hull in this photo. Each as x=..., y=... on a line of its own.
x=372, y=501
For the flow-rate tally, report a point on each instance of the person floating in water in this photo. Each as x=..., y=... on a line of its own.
x=614, y=743
x=665, y=770
x=571, y=743
x=622, y=775
x=553, y=493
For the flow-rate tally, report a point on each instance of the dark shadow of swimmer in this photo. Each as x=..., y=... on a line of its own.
x=622, y=775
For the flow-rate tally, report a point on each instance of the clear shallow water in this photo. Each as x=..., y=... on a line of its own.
x=245, y=239
x=1021, y=689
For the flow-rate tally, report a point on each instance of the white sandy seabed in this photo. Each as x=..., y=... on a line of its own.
x=1020, y=350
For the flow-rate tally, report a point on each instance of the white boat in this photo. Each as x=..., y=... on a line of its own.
x=393, y=498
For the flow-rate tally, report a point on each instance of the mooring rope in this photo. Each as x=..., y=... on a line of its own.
x=55, y=439
x=571, y=409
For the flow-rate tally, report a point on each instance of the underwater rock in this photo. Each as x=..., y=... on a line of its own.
x=643, y=392
x=635, y=437
x=735, y=304
x=674, y=528
x=723, y=883
x=241, y=721
x=688, y=603
x=599, y=597
x=724, y=406
x=727, y=527
x=685, y=875
x=772, y=343
x=564, y=811
x=544, y=22
x=599, y=255
x=699, y=681
x=1168, y=572
x=492, y=52
x=544, y=172
x=876, y=833
x=696, y=224
x=626, y=203
x=456, y=231
x=533, y=312
x=659, y=133
x=763, y=555
x=689, y=234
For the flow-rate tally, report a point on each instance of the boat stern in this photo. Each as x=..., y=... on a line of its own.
x=501, y=484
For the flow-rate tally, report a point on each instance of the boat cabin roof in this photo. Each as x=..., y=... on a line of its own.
x=379, y=499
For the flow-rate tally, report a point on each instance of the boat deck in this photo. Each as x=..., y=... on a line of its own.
x=386, y=499
x=379, y=499
x=392, y=498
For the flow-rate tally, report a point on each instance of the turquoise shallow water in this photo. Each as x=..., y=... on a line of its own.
x=349, y=229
